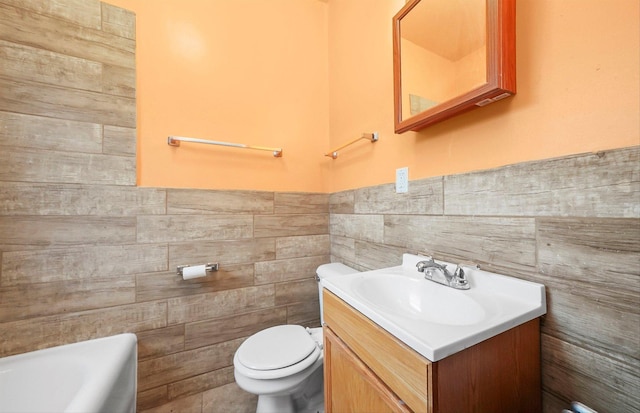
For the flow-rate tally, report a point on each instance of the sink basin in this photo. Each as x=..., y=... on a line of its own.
x=92, y=376
x=433, y=319
x=416, y=299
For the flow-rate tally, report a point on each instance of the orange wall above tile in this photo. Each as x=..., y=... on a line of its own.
x=310, y=75
x=243, y=71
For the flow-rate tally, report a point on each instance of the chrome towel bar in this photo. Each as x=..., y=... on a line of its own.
x=373, y=137
x=175, y=141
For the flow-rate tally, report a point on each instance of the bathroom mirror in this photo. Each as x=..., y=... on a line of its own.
x=451, y=56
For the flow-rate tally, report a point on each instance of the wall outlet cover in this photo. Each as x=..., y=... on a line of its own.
x=402, y=180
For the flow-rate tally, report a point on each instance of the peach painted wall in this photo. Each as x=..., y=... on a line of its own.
x=309, y=75
x=244, y=71
x=578, y=91
x=425, y=64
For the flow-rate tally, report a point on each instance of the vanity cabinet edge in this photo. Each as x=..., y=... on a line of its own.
x=500, y=374
x=351, y=386
x=405, y=372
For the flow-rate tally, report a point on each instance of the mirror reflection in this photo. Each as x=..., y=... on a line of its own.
x=451, y=56
x=443, y=52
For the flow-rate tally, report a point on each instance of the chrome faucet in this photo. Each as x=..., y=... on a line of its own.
x=440, y=274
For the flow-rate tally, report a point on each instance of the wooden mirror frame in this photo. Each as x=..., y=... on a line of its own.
x=501, y=69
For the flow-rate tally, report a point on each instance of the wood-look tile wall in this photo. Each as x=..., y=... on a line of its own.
x=84, y=253
x=572, y=224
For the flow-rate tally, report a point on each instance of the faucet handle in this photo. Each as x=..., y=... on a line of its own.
x=421, y=265
x=459, y=280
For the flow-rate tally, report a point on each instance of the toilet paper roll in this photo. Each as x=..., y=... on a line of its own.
x=196, y=271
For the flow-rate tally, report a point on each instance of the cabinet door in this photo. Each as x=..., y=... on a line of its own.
x=405, y=372
x=349, y=384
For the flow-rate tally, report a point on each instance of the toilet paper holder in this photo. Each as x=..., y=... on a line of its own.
x=209, y=267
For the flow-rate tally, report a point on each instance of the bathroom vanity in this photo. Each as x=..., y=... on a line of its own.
x=369, y=369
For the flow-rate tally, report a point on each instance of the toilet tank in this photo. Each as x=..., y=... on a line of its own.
x=330, y=270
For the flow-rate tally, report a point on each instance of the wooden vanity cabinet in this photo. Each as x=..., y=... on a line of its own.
x=353, y=386
x=366, y=369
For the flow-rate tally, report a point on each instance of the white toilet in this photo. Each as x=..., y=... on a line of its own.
x=283, y=364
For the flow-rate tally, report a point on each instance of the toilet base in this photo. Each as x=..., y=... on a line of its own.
x=275, y=404
x=308, y=397
x=285, y=404
x=314, y=405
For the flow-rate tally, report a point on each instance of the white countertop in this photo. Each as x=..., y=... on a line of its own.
x=437, y=320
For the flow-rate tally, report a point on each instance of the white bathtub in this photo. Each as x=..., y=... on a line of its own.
x=90, y=376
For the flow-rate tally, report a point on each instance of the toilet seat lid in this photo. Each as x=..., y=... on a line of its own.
x=276, y=348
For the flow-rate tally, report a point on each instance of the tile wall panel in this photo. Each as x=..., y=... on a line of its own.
x=189, y=404
x=226, y=252
x=26, y=131
x=286, y=270
x=160, y=342
x=48, y=32
x=209, y=332
x=302, y=246
x=177, y=228
x=290, y=225
x=61, y=231
x=119, y=141
x=74, y=104
x=97, y=255
x=74, y=200
x=118, y=21
x=32, y=64
x=600, y=257
x=301, y=203
x=304, y=313
x=220, y=304
x=575, y=186
x=342, y=202
x=80, y=263
x=34, y=300
x=343, y=249
x=42, y=332
x=84, y=253
x=480, y=239
x=296, y=291
x=584, y=369
x=572, y=318
x=29, y=165
x=84, y=13
x=119, y=81
x=360, y=227
x=155, y=286
x=157, y=399
x=425, y=197
x=572, y=224
x=191, y=201
x=185, y=364
x=372, y=256
x=228, y=398
x=218, y=380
